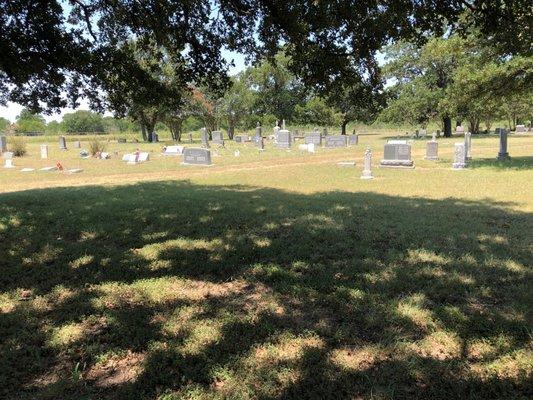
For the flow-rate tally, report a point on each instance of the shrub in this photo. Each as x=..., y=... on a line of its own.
x=17, y=146
x=96, y=147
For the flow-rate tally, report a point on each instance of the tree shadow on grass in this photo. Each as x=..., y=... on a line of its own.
x=234, y=291
x=515, y=163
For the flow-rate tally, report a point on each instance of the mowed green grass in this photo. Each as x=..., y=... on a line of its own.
x=272, y=276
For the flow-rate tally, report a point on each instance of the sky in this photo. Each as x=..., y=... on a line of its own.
x=11, y=111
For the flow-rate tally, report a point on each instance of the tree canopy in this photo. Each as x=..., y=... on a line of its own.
x=56, y=52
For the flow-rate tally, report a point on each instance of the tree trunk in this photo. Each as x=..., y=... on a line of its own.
x=231, y=128
x=447, y=123
x=488, y=124
x=343, y=126
x=143, y=131
x=176, y=130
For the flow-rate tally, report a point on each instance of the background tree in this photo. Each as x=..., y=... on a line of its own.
x=28, y=121
x=4, y=123
x=83, y=121
x=276, y=89
x=315, y=112
x=421, y=77
x=236, y=103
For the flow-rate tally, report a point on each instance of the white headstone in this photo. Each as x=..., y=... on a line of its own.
x=44, y=151
x=367, y=165
x=459, y=161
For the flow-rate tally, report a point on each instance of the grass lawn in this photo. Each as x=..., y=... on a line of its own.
x=268, y=276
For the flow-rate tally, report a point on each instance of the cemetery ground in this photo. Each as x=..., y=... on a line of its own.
x=278, y=275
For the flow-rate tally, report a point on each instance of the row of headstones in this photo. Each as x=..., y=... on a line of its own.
x=397, y=153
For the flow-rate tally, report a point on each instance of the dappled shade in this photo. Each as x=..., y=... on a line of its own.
x=236, y=291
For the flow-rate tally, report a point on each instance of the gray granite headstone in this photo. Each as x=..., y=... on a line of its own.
x=3, y=144
x=196, y=156
x=353, y=140
x=397, y=155
x=62, y=143
x=284, y=139
x=204, y=136
x=367, y=165
x=76, y=144
x=520, y=128
x=432, y=150
x=314, y=138
x=503, y=154
x=238, y=139
x=459, y=156
x=258, y=131
x=259, y=142
x=335, y=141
x=459, y=129
x=217, y=137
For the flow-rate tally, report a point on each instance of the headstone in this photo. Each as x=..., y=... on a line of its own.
x=397, y=155
x=8, y=156
x=245, y=138
x=237, y=153
x=335, y=141
x=205, y=137
x=3, y=144
x=217, y=137
x=423, y=133
x=196, y=156
x=62, y=143
x=468, y=145
x=121, y=140
x=459, y=159
x=434, y=136
x=136, y=158
x=397, y=141
x=432, y=150
x=142, y=157
x=325, y=131
x=520, y=128
x=367, y=165
x=74, y=171
x=311, y=148
x=314, y=137
x=503, y=154
x=173, y=150
x=259, y=142
x=237, y=139
x=27, y=170
x=353, y=140
x=276, y=130
x=258, y=132
x=283, y=125
x=44, y=151
x=284, y=139
x=48, y=169
x=76, y=144
x=459, y=129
